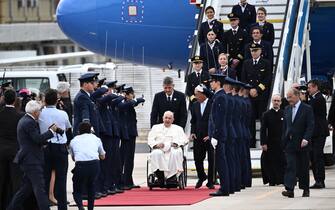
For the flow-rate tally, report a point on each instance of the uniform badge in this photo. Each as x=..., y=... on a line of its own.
x=281, y=119
x=175, y=99
x=262, y=70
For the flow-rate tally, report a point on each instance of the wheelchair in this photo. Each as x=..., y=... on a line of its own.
x=181, y=182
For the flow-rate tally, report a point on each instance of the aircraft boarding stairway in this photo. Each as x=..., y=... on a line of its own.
x=289, y=18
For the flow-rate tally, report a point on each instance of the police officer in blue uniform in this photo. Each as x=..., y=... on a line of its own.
x=84, y=107
x=217, y=128
x=128, y=127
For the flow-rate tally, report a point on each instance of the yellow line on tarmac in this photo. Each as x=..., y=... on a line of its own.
x=267, y=194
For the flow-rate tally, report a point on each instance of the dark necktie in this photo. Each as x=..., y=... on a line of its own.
x=255, y=62
x=169, y=98
x=198, y=75
x=234, y=32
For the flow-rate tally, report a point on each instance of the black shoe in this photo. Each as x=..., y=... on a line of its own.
x=118, y=190
x=97, y=195
x=210, y=186
x=318, y=185
x=104, y=194
x=199, y=183
x=135, y=186
x=305, y=193
x=219, y=193
x=288, y=193
x=126, y=188
x=111, y=192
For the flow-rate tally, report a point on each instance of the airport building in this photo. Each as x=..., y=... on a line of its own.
x=29, y=28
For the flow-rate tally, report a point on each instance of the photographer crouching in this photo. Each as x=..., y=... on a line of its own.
x=56, y=153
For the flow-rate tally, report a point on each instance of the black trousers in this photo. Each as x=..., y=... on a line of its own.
x=200, y=148
x=258, y=107
x=317, y=158
x=33, y=182
x=297, y=166
x=10, y=177
x=222, y=167
x=85, y=175
x=105, y=176
x=56, y=158
x=127, y=160
x=231, y=161
x=116, y=163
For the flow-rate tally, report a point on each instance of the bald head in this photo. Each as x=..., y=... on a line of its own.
x=168, y=118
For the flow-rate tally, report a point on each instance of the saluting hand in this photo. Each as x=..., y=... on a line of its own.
x=206, y=138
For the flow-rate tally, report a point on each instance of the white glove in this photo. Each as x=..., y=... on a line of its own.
x=304, y=143
x=214, y=142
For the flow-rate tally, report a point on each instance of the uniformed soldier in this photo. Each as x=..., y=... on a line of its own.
x=231, y=117
x=267, y=50
x=246, y=179
x=234, y=41
x=115, y=147
x=102, y=100
x=128, y=125
x=210, y=24
x=210, y=51
x=257, y=72
x=196, y=78
x=84, y=108
x=217, y=128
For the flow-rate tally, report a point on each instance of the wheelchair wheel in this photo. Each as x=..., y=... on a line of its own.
x=185, y=171
x=181, y=181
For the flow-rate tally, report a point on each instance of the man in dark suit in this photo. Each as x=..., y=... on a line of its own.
x=169, y=100
x=210, y=24
x=84, y=108
x=196, y=78
x=246, y=12
x=10, y=175
x=267, y=50
x=30, y=157
x=199, y=134
x=128, y=127
x=297, y=134
x=318, y=103
x=258, y=73
x=234, y=41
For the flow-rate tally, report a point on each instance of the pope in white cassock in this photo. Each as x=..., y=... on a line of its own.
x=165, y=140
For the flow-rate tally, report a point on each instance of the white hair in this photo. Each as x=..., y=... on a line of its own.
x=33, y=106
x=168, y=113
x=63, y=87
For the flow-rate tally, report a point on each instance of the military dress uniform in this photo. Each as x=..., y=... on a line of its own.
x=217, y=129
x=84, y=108
x=196, y=78
x=267, y=51
x=128, y=127
x=234, y=42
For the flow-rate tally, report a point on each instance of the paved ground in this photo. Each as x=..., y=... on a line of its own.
x=259, y=197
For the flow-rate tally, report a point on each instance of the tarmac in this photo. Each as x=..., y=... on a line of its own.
x=258, y=197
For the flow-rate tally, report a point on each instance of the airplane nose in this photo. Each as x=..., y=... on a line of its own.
x=77, y=20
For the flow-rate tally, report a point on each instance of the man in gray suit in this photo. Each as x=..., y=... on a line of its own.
x=298, y=129
x=30, y=157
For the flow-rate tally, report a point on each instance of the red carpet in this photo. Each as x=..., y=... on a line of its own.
x=156, y=197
